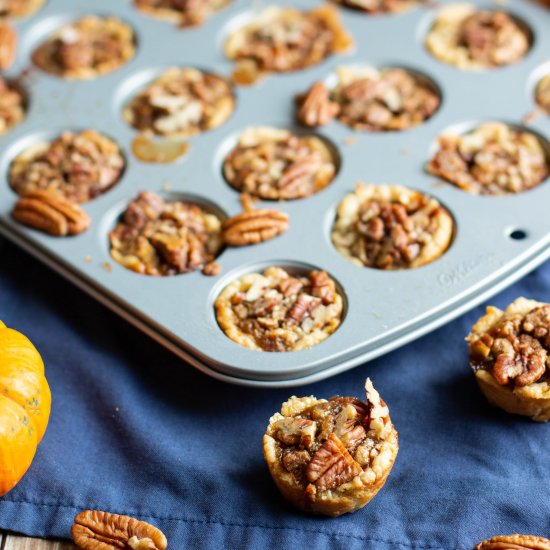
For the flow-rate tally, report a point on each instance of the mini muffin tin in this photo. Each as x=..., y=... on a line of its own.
x=498, y=239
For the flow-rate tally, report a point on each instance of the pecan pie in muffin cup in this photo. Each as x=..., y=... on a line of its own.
x=509, y=354
x=470, y=38
x=379, y=6
x=284, y=39
x=12, y=105
x=185, y=13
x=181, y=102
x=278, y=311
x=391, y=227
x=366, y=98
x=492, y=159
x=165, y=237
x=542, y=94
x=19, y=8
x=331, y=457
x=79, y=166
x=275, y=164
x=86, y=48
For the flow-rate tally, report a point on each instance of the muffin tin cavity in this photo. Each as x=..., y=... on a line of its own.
x=280, y=309
x=491, y=158
x=280, y=164
x=178, y=102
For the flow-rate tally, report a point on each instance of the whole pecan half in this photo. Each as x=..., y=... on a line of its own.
x=254, y=226
x=332, y=465
x=514, y=542
x=51, y=213
x=8, y=42
x=315, y=106
x=96, y=530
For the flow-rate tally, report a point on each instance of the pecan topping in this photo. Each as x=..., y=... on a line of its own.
x=78, y=166
x=212, y=269
x=514, y=542
x=275, y=164
x=390, y=99
x=51, y=213
x=296, y=431
x=516, y=348
x=86, y=48
x=283, y=39
x=8, y=43
x=156, y=237
x=254, y=226
x=493, y=159
x=332, y=465
x=181, y=102
x=315, y=107
x=380, y=6
x=12, y=105
x=95, y=530
x=187, y=13
x=276, y=312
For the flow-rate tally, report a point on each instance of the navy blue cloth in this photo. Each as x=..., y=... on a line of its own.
x=134, y=430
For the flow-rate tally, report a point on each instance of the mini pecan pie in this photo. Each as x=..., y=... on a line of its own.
x=379, y=6
x=542, y=94
x=181, y=102
x=87, y=48
x=331, y=457
x=276, y=311
x=390, y=99
x=12, y=105
x=285, y=39
x=493, y=159
x=19, y=8
x=79, y=166
x=476, y=39
x=158, y=237
x=276, y=164
x=391, y=227
x=509, y=353
x=185, y=13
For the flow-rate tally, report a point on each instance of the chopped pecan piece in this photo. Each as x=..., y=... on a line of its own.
x=51, y=213
x=514, y=542
x=95, y=530
x=296, y=431
x=8, y=43
x=315, y=107
x=254, y=226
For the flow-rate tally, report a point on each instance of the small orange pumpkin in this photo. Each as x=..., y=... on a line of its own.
x=25, y=402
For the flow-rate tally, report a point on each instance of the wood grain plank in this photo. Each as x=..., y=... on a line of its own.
x=16, y=542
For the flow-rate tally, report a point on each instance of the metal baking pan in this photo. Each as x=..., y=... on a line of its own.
x=384, y=310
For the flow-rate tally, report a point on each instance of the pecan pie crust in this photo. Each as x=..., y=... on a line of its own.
x=185, y=13
x=79, y=166
x=181, y=102
x=332, y=456
x=284, y=39
x=492, y=159
x=391, y=227
x=276, y=311
x=87, y=48
x=476, y=39
x=275, y=164
x=160, y=237
x=509, y=354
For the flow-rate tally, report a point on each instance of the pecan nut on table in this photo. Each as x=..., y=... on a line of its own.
x=331, y=457
x=96, y=530
x=470, y=38
x=509, y=354
x=514, y=542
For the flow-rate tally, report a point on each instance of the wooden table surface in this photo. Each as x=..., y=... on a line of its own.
x=16, y=542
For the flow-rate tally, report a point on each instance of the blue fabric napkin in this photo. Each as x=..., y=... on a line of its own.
x=136, y=431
